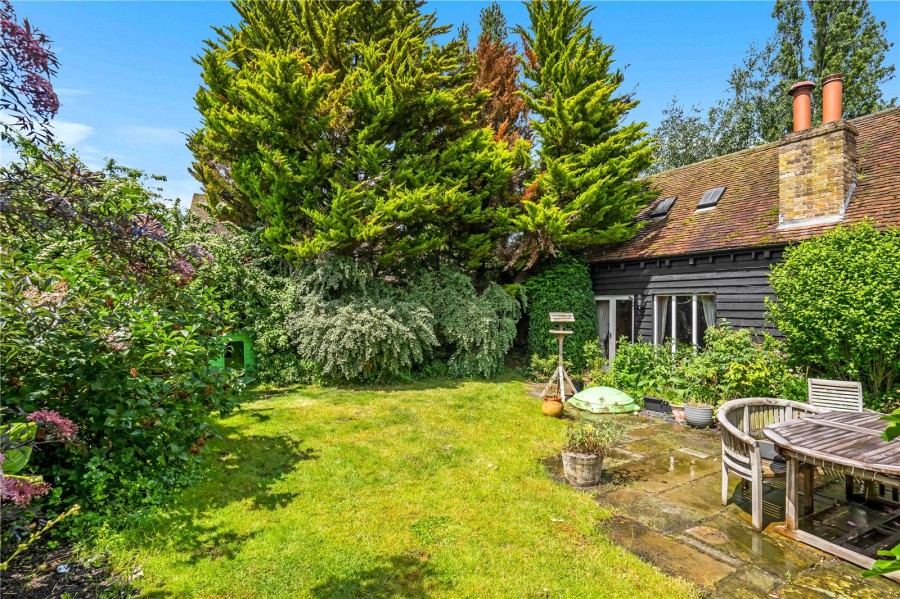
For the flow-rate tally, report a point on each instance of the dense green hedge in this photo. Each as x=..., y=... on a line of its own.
x=838, y=305
x=256, y=286
x=564, y=286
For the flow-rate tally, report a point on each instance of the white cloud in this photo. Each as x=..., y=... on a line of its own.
x=140, y=134
x=68, y=133
x=71, y=134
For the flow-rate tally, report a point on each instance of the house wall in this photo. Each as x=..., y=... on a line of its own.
x=739, y=281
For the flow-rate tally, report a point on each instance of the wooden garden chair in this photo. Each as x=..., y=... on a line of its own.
x=839, y=396
x=744, y=451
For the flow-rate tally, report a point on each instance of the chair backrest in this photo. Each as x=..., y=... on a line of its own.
x=839, y=396
x=750, y=415
x=742, y=421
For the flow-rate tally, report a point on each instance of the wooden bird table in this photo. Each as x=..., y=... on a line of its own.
x=848, y=443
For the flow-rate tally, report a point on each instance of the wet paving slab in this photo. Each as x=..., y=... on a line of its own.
x=748, y=583
x=836, y=583
x=619, y=456
x=703, y=496
x=667, y=553
x=664, y=471
x=708, y=442
x=652, y=446
x=664, y=487
x=653, y=510
x=642, y=432
x=782, y=557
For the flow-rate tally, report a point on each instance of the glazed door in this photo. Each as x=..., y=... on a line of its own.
x=615, y=319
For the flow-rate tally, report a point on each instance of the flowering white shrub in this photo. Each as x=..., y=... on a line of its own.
x=358, y=327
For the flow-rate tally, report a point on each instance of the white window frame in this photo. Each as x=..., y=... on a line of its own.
x=671, y=297
x=612, y=299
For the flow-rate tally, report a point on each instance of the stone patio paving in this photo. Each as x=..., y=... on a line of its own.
x=664, y=483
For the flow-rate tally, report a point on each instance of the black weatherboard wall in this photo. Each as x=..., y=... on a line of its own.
x=739, y=280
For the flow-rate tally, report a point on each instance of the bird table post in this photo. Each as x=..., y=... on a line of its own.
x=560, y=376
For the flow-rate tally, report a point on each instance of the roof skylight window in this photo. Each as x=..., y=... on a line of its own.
x=662, y=208
x=710, y=198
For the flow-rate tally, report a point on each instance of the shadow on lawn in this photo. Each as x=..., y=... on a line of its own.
x=407, y=575
x=247, y=468
x=426, y=384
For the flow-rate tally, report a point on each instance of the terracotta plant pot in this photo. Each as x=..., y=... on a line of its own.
x=552, y=407
x=678, y=413
x=582, y=469
x=699, y=416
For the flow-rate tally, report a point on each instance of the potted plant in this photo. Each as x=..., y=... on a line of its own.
x=552, y=406
x=699, y=415
x=586, y=445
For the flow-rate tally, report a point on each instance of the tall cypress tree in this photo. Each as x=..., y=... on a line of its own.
x=493, y=23
x=586, y=190
x=844, y=37
x=498, y=72
x=847, y=38
x=812, y=39
x=348, y=128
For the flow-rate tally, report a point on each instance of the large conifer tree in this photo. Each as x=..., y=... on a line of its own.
x=586, y=190
x=348, y=128
x=498, y=72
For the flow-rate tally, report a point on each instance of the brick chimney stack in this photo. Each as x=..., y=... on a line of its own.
x=816, y=167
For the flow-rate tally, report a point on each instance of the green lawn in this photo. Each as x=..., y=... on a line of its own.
x=431, y=490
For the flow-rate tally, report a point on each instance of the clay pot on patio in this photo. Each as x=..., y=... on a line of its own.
x=678, y=414
x=582, y=469
x=552, y=406
x=698, y=415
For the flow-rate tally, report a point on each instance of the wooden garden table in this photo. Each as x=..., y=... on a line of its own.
x=849, y=443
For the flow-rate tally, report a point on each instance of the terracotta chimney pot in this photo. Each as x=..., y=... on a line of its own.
x=832, y=90
x=802, y=95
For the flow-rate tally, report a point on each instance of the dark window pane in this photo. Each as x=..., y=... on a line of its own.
x=684, y=325
x=603, y=332
x=624, y=325
x=710, y=198
x=662, y=208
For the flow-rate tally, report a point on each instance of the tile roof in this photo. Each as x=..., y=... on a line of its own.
x=747, y=214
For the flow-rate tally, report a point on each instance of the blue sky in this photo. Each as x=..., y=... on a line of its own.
x=127, y=81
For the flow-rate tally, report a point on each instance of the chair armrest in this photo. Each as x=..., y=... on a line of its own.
x=731, y=430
